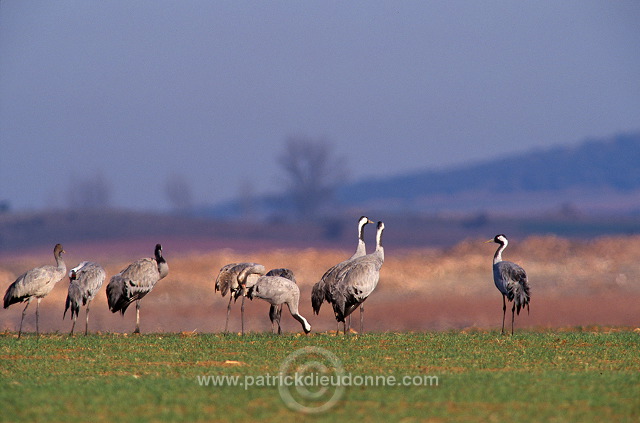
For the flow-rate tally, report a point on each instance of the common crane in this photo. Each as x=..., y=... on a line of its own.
x=357, y=280
x=85, y=280
x=36, y=283
x=321, y=290
x=511, y=280
x=134, y=282
x=230, y=280
x=278, y=287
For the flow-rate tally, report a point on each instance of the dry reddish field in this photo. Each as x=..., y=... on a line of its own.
x=574, y=283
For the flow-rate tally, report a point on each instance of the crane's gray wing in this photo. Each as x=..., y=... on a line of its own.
x=90, y=278
x=331, y=274
x=19, y=291
x=142, y=274
x=35, y=282
x=321, y=290
x=274, y=289
x=515, y=283
x=509, y=276
x=361, y=275
x=282, y=272
x=355, y=282
x=132, y=284
x=122, y=292
x=317, y=295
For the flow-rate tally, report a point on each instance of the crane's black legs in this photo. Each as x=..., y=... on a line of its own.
x=38, y=317
x=137, y=317
x=226, y=324
x=86, y=326
x=273, y=327
x=242, y=315
x=504, y=312
x=73, y=325
x=348, y=326
x=279, y=317
x=275, y=312
x=22, y=319
x=272, y=317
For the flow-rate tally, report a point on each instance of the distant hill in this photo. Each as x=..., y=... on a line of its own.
x=596, y=176
x=553, y=191
x=591, y=172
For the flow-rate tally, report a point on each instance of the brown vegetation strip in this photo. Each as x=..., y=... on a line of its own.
x=573, y=284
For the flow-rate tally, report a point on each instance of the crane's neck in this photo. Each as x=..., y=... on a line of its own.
x=379, y=247
x=361, y=249
x=497, y=258
x=163, y=267
x=380, y=252
x=361, y=230
x=60, y=262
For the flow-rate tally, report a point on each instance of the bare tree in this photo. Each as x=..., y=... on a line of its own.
x=178, y=192
x=91, y=192
x=312, y=173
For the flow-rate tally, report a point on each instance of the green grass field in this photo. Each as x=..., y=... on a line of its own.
x=570, y=375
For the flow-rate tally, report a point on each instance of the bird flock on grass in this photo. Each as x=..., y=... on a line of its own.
x=346, y=286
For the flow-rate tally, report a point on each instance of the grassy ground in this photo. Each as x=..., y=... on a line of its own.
x=575, y=375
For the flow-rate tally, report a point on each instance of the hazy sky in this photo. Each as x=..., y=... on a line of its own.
x=139, y=90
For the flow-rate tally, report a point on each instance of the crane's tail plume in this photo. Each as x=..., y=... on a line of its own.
x=317, y=296
x=117, y=296
x=522, y=295
x=11, y=297
x=74, y=305
x=73, y=301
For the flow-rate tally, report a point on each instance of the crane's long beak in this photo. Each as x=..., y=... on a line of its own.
x=488, y=241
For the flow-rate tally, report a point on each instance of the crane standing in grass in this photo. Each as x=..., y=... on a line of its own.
x=230, y=280
x=511, y=280
x=36, y=283
x=134, y=282
x=85, y=280
x=357, y=280
x=322, y=289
